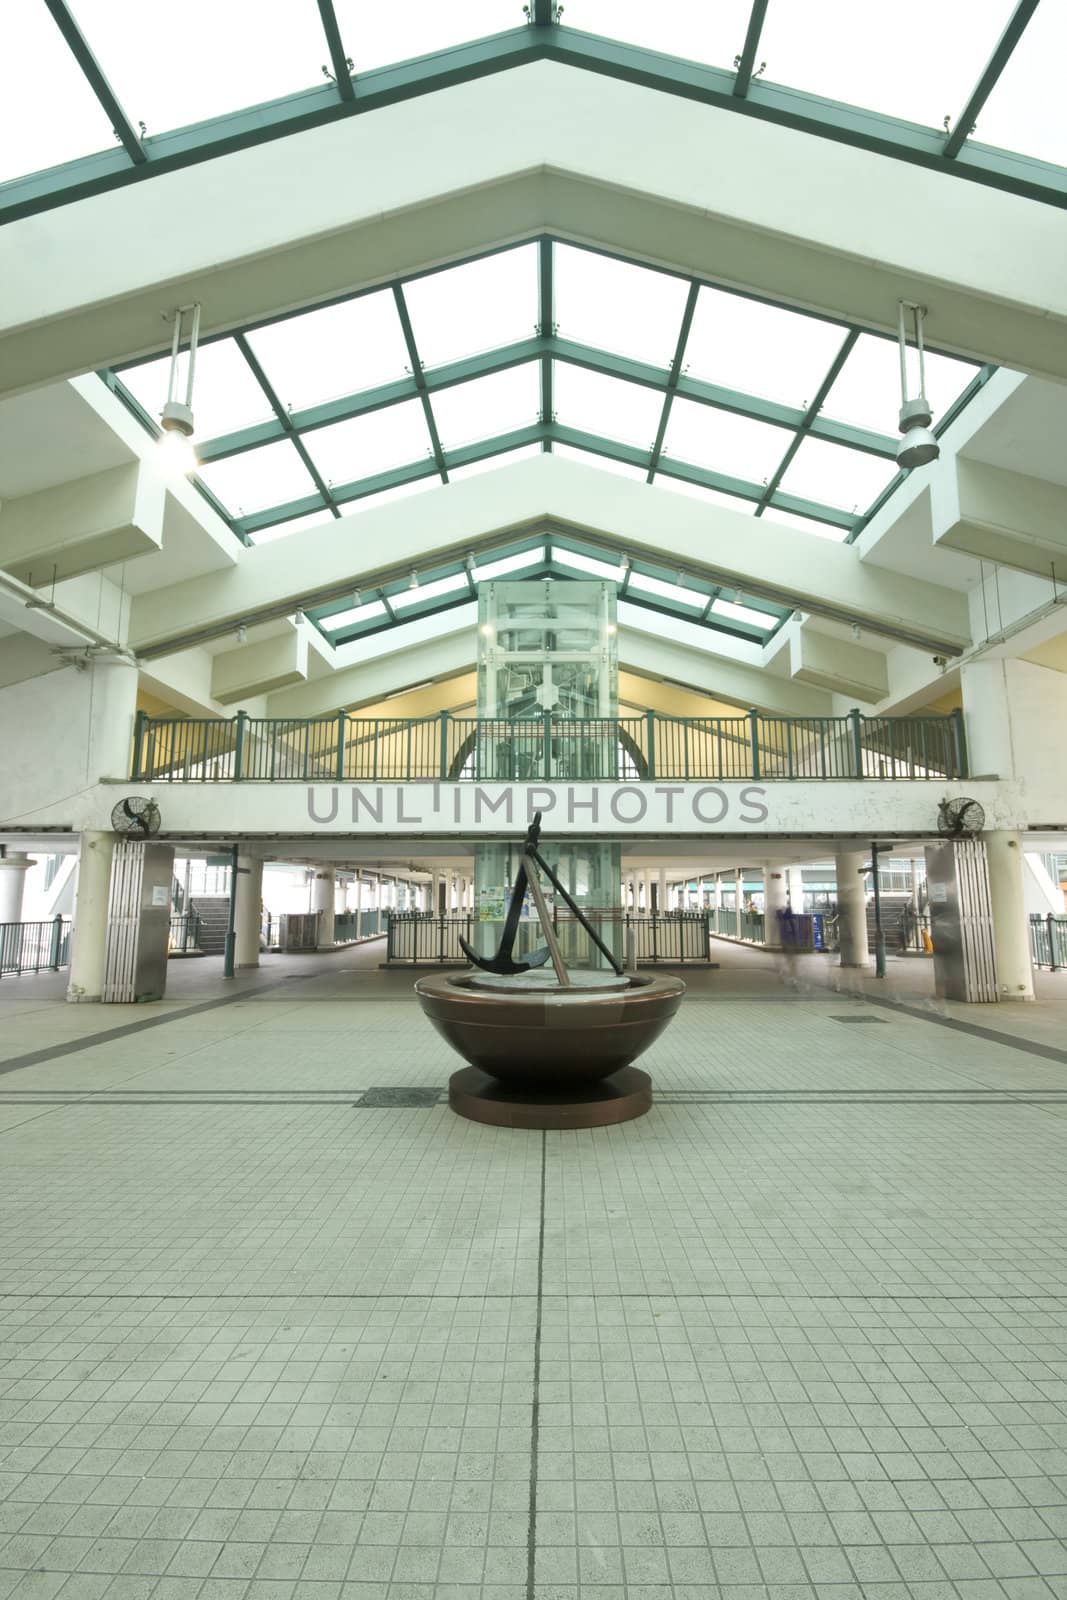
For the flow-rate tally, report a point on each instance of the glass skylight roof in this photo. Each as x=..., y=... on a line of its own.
x=203, y=68
x=330, y=410
x=702, y=604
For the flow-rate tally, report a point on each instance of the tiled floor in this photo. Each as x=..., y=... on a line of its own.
x=802, y=1331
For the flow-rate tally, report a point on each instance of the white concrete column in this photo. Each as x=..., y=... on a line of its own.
x=248, y=910
x=322, y=893
x=13, y=869
x=852, y=908
x=661, y=892
x=89, y=941
x=774, y=891
x=795, y=887
x=739, y=890
x=1011, y=930
x=114, y=709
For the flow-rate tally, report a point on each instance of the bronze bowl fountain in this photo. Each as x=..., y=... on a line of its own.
x=547, y=1048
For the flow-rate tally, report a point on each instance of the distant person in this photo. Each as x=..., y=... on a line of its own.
x=789, y=940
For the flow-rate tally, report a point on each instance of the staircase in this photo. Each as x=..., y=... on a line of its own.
x=214, y=914
x=894, y=909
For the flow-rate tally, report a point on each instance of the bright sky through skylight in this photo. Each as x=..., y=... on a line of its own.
x=599, y=404
x=270, y=476
x=226, y=394
x=867, y=392
x=338, y=350
x=589, y=290
x=500, y=403
x=364, y=446
x=474, y=307
x=722, y=442
x=739, y=343
x=218, y=62
x=837, y=477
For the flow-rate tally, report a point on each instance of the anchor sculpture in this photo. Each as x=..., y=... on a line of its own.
x=503, y=963
x=547, y=1049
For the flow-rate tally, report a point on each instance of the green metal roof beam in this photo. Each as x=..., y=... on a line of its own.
x=847, y=346
x=964, y=125
x=284, y=421
x=420, y=380
x=546, y=327
x=384, y=86
x=747, y=59
x=94, y=75
x=551, y=349
x=672, y=377
x=339, y=58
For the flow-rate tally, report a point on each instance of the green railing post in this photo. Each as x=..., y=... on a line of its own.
x=239, y=746
x=547, y=718
x=857, y=741
x=139, y=722
x=442, y=765
x=753, y=741
x=57, y=940
x=342, y=727
x=650, y=742
x=959, y=743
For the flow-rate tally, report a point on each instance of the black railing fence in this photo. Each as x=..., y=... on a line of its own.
x=351, y=749
x=34, y=946
x=676, y=937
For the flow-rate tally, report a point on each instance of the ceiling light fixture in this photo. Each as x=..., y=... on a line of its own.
x=177, y=416
x=919, y=444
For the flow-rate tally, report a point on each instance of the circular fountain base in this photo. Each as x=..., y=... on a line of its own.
x=624, y=1095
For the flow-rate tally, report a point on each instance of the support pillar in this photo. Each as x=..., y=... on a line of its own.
x=774, y=897
x=1011, y=927
x=795, y=888
x=739, y=893
x=852, y=908
x=322, y=899
x=89, y=941
x=13, y=870
x=249, y=908
x=661, y=892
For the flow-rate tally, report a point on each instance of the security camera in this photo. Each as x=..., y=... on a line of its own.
x=940, y=661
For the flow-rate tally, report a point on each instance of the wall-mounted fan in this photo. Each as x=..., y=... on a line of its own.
x=960, y=818
x=136, y=816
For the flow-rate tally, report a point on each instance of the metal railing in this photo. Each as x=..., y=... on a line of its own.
x=34, y=946
x=184, y=932
x=677, y=937
x=1048, y=941
x=352, y=749
x=419, y=936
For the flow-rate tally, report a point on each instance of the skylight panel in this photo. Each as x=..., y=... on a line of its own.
x=48, y=113
x=590, y=458
x=485, y=407
x=508, y=564
x=477, y=306
x=836, y=49
x=269, y=476
x=375, y=35
x=747, y=614
x=610, y=407
x=503, y=458
x=227, y=395
x=282, y=530
x=562, y=557
x=711, y=497
x=836, y=476
x=713, y=34
x=617, y=306
x=822, y=530
x=339, y=350
x=739, y=447
x=363, y=446
x=367, y=611
x=439, y=589
x=743, y=344
x=217, y=58
x=1025, y=111
x=867, y=390
x=384, y=497
x=674, y=592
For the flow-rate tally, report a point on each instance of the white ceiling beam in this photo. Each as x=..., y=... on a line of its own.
x=997, y=515
x=764, y=559
x=741, y=200
x=82, y=526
